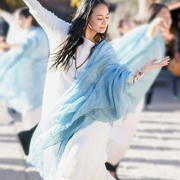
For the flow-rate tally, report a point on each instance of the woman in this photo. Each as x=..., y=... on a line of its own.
x=143, y=42
x=22, y=71
x=81, y=95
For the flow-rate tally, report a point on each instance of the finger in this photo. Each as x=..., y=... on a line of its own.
x=154, y=60
x=163, y=63
x=166, y=59
x=163, y=27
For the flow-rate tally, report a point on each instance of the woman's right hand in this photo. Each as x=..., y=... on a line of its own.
x=152, y=65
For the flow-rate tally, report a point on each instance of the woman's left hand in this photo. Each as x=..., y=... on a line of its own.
x=152, y=65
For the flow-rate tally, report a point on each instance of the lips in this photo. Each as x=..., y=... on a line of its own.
x=102, y=27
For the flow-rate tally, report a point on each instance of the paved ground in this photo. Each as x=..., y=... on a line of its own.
x=154, y=153
x=155, y=150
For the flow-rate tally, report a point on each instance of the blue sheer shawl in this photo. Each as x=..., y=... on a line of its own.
x=100, y=92
x=134, y=49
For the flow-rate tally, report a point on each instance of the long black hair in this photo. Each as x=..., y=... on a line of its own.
x=24, y=11
x=153, y=10
x=76, y=33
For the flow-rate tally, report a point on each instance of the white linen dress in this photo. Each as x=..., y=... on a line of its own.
x=85, y=153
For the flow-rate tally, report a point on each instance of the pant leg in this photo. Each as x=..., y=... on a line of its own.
x=149, y=95
x=31, y=118
x=120, y=137
x=5, y=118
x=121, y=134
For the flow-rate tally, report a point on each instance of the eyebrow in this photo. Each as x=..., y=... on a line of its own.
x=102, y=15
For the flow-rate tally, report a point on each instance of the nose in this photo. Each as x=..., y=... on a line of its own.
x=104, y=21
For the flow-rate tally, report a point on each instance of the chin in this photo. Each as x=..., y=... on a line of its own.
x=102, y=31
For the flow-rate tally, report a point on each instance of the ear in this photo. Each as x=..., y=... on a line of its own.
x=30, y=18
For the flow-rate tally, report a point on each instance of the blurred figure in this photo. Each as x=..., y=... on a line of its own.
x=5, y=118
x=125, y=25
x=23, y=69
x=15, y=33
x=133, y=49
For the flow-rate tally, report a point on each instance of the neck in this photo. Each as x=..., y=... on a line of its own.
x=89, y=34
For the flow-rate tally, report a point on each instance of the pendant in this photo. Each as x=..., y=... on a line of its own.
x=75, y=74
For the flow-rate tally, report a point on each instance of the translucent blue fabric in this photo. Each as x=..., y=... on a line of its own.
x=100, y=92
x=23, y=71
x=134, y=49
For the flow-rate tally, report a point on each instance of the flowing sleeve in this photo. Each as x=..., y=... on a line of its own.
x=9, y=18
x=14, y=29
x=48, y=21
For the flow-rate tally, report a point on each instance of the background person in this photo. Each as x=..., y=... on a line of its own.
x=134, y=49
x=22, y=71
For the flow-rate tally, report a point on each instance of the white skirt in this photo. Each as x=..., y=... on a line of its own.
x=85, y=155
x=31, y=118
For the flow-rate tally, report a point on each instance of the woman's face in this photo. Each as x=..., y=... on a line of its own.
x=23, y=22
x=166, y=16
x=99, y=19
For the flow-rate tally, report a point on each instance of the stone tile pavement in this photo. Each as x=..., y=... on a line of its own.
x=13, y=164
x=154, y=153
x=155, y=150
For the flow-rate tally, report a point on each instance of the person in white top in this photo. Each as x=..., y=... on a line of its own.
x=71, y=48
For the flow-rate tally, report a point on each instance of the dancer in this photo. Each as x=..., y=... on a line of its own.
x=134, y=49
x=23, y=69
x=86, y=93
x=13, y=37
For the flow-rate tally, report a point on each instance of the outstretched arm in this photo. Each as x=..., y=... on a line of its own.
x=134, y=76
x=9, y=18
x=48, y=21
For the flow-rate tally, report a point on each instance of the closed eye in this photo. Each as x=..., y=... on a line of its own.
x=101, y=19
